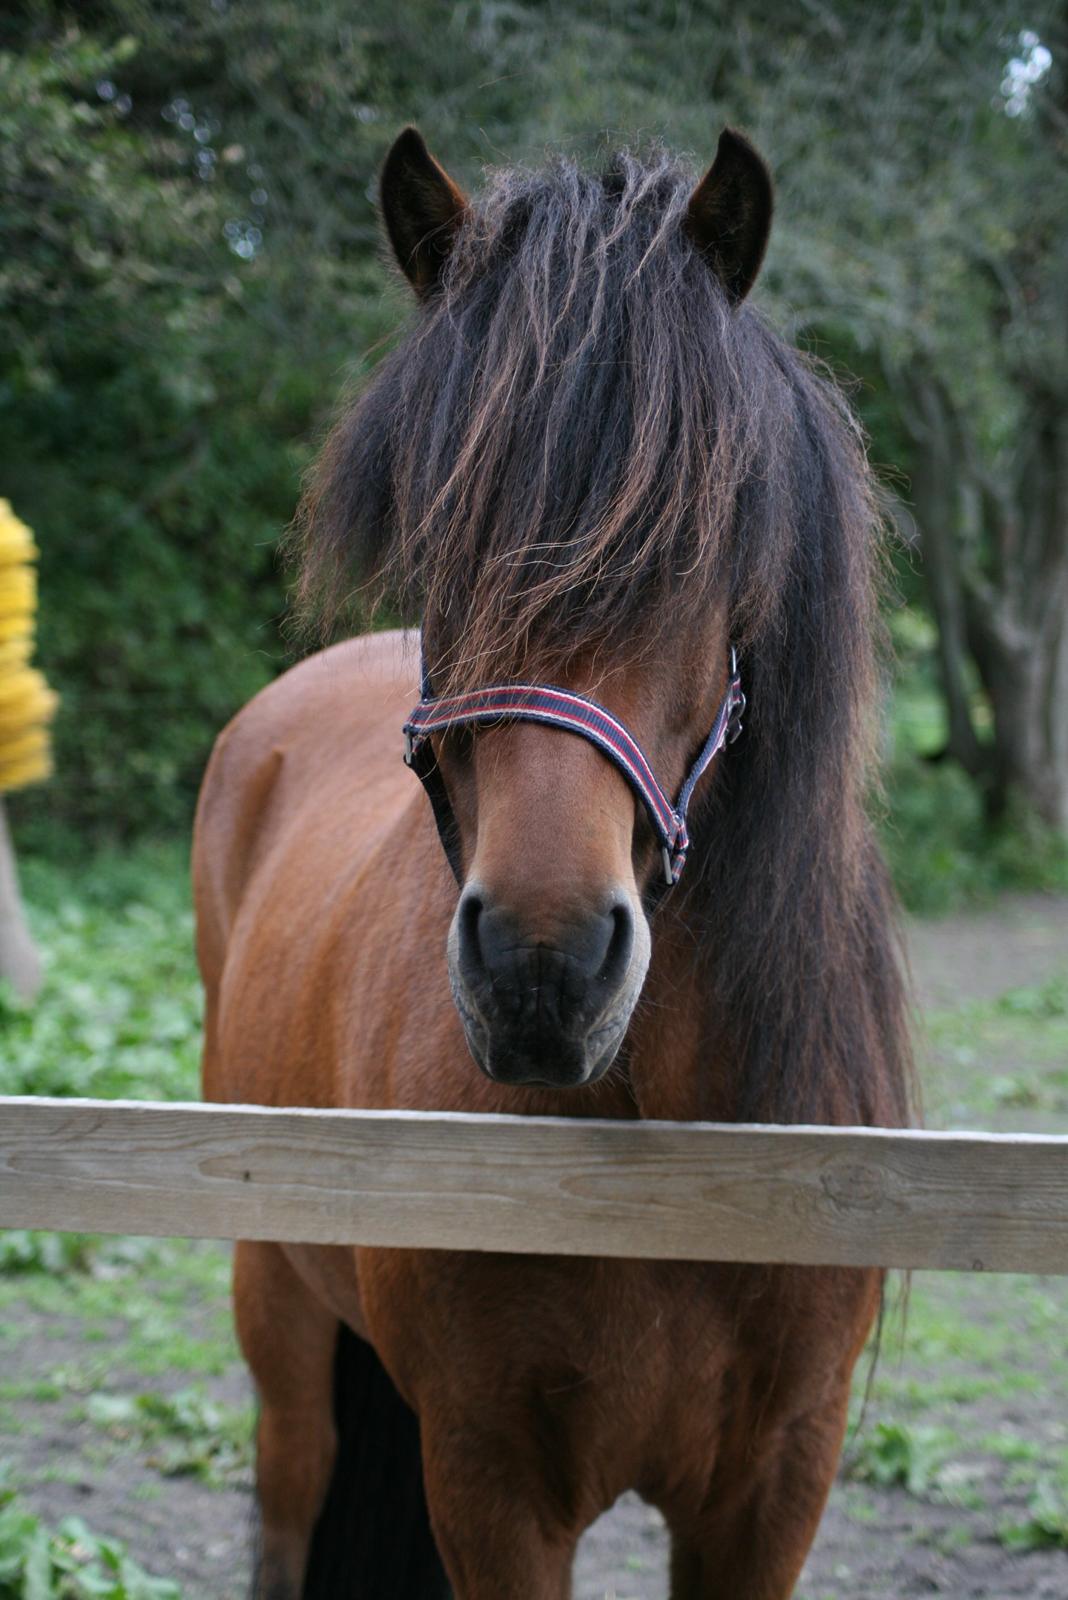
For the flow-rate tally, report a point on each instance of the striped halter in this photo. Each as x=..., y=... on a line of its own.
x=574, y=713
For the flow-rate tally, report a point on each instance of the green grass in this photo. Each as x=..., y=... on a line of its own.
x=119, y=1014
x=184, y=1434
x=1001, y=1062
x=67, y=1563
x=1046, y=1524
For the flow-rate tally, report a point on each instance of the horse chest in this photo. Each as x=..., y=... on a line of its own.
x=631, y=1367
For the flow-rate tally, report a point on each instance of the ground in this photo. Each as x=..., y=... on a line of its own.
x=122, y=1401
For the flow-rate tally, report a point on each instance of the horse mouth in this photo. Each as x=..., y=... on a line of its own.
x=544, y=1058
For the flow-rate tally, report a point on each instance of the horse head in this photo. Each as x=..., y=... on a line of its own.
x=596, y=476
x=557, y=855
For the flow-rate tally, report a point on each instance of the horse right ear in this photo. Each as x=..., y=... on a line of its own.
x=422, y=208
x=729, y=215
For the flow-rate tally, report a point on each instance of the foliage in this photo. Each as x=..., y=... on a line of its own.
x=119, y=1013
x=25, y=1250
x=189, y=1435
x=1046, y=1525
x=944, y=852
x=943, y=849
x=69, y=1563
x=33, y=1250
x=154, y=423
x=894, y=1454
x=191, y=273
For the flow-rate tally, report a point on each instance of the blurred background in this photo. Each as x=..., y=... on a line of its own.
x=191, y=273
x=191, y=276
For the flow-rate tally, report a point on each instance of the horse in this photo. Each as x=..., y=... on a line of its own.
x=602, y=484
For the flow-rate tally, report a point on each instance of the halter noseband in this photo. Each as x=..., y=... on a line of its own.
x=574, y=713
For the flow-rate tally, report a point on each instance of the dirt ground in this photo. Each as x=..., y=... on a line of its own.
x=875, y=1543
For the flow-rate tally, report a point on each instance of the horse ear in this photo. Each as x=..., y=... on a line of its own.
x=422, y=208
x=729, y=216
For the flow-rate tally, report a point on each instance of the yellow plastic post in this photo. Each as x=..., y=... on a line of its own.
x=27, y=706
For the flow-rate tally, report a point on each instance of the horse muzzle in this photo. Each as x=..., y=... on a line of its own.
x=548, y=1005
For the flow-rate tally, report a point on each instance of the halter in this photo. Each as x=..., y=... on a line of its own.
x=574, y=713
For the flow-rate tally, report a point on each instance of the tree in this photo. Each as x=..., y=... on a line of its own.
x=188, y=193
x=921, y=154
x=958, y=289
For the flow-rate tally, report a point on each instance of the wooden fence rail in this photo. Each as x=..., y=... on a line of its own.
x=685, y=1191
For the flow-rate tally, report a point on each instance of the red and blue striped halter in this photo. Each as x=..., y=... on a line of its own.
x=574, y=713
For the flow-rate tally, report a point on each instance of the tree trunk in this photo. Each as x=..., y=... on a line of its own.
x=934, y=498
x=1025, y=675
x=996, y=560
x=20, y=964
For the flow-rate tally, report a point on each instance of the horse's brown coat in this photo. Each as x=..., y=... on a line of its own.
x=544, y=1387
x=592, y=466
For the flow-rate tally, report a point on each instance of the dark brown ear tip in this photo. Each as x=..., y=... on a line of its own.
x=409, y=148
x=731, y=139
x=730, y=211
x=733, y=145
x=734, y=136
x=421, y=207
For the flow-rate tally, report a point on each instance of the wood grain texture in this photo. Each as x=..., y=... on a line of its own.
x=684, y=1191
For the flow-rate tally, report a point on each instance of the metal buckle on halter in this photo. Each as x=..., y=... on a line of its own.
x=734, y=721
x=409, y=749
x=734, y=718
x=669, y=871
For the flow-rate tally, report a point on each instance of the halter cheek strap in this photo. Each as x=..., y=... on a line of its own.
x=574, y=713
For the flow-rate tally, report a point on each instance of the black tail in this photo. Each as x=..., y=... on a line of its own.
x=373, y=1539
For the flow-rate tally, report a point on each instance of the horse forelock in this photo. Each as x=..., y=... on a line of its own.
x=579, y=445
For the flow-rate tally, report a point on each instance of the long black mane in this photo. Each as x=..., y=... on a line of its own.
x=581, y=443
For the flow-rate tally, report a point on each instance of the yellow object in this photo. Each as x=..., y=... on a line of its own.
x=27, y=704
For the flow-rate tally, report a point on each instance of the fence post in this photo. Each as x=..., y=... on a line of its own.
x=20, y=963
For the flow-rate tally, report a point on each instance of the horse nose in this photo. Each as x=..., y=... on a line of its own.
x=541, y=989
x=554, y=970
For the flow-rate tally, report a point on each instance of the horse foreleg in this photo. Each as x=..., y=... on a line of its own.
x=750, y=1541
x=496, y=1535
x=288, y=1339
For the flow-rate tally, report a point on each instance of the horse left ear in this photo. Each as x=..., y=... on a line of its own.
x=729, y=216
x=422, y=208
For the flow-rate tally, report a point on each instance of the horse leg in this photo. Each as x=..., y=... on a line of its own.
x=496, y=1535
x=288, y=1339
x=750, y=1538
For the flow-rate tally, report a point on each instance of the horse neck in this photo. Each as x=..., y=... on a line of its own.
x=677, y=1055
x=684, y=1050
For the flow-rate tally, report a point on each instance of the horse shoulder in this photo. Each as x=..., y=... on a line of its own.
x=298, y=784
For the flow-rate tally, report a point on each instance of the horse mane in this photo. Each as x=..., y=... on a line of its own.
x=580, y=444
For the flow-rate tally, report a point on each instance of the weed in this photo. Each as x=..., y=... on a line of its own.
x=188, y=1434
x=23, y=1250
x=893, y=1454
x=68, y=1563
x=1046, y=1527
x=119, y=1013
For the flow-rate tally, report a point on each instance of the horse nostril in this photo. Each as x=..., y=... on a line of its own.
x=469, y=914
x=572, y=965
x=620, y=945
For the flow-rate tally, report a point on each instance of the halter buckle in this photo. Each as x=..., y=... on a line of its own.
x=409, y=749
x=669, y=872
x=734, y=721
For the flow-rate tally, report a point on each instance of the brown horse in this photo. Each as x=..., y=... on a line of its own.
x=588, y=464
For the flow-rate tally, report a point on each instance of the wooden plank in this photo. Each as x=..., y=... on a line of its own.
x=686, y=1191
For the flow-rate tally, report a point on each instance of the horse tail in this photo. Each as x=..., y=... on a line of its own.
x=373, y=1539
